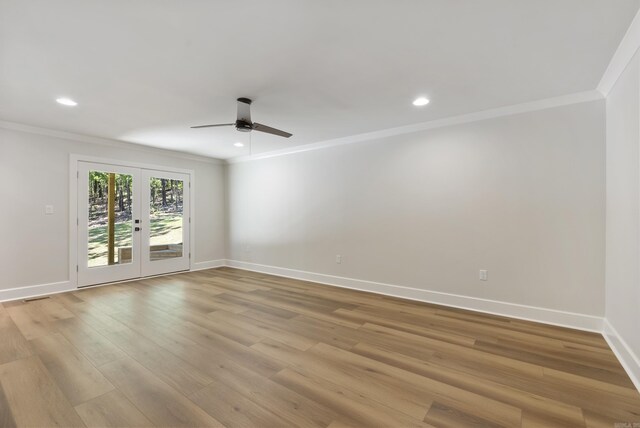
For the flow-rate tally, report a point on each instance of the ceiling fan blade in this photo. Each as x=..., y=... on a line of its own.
x=270, y=130
x=211, y=126
x=244, y=109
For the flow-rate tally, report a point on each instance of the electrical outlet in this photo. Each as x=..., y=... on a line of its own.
x=484, y=275
x=338, y=259
x=48, y=209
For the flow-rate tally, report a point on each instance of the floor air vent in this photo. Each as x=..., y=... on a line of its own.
x=33, y=299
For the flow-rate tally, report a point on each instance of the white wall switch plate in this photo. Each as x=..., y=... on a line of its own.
x=339, y=259
x=484, y=275
x=48, y=209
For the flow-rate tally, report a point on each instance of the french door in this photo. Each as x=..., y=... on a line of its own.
x=132, y=222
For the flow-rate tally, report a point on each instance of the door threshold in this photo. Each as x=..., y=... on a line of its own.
x=131, y=279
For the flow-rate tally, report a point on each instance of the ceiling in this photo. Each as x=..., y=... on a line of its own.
x=143, y=71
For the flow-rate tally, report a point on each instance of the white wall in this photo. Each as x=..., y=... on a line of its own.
x=522, y=196
x=34, y=172
x=623, y=216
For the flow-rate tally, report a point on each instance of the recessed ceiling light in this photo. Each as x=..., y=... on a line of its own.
x=238, y=144
x=66, y=102
x=420, y=101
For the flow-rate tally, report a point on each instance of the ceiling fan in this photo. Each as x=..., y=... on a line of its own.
x=244, y=124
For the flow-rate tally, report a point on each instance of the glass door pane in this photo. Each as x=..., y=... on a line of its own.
x=110, y=236
x=108, y=223
x=166, y=218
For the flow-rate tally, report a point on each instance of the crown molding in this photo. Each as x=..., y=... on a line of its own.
x=578, y=97
x=13, y=126
x=547, y=103
x=621, y=58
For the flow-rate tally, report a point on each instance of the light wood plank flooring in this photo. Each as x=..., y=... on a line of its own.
x=226, y=347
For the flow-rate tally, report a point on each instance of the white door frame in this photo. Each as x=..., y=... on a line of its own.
x=73, y=204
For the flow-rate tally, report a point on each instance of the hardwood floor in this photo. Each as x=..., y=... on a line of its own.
x=226, y=347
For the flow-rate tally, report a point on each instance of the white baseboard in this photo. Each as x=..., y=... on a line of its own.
x=513, y=310
x=529, y=313
x=62, y=286
x=35, y=290
x=629, y=360
x=210, y=264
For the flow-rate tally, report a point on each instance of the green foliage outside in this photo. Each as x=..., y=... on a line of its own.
x=165, y=207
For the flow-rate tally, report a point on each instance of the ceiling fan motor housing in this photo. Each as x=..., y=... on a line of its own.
x=243, y=126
